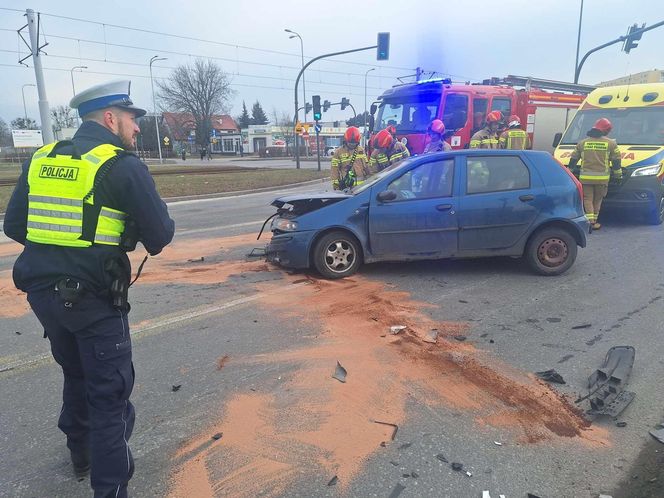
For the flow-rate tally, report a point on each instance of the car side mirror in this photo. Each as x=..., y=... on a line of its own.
x=557, y=138
x=373, y=108
x=386, y=195
x=372, y=123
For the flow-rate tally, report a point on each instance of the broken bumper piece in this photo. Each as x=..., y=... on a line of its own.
x=607, y=385
x=290, y=250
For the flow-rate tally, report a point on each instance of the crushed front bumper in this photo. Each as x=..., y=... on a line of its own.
x=290, y=250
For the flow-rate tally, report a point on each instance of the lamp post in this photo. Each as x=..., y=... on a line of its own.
x=154, y=106
x=73, y=89
x=365, y=103
x=304, y=88
x=25, y=111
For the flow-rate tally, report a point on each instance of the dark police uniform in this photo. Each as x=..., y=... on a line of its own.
x=90, y=338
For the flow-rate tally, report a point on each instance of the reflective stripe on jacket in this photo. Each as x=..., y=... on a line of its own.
x=380, y=160
x=341, y=164
x=514, y=139
x=596, y=155
x=484, y=139
x=61, y=207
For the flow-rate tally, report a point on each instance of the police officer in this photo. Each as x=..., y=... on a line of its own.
x=487, y=137
x=514, y=138
x=600, y=160
x=387, y=152
x=75, y=208
x=349, y=162
x=434, y=139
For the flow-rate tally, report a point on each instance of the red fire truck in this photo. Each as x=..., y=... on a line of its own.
x=544, y=106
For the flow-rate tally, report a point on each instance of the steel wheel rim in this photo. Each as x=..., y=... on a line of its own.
x=661, y=209
x=339, y=256
x=552, y=252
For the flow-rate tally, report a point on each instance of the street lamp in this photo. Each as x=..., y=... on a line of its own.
x=304, y=88
x=25, y=112
x=73, y=90
x=365, y=103
x=154, y=106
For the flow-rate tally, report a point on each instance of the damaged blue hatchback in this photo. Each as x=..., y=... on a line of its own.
x=461, y=204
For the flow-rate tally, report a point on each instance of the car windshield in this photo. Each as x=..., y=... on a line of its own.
x=369, y=182
x=631, y=126
x=409, y=114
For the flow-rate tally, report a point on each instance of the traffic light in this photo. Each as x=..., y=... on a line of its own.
x=383, y=52
x=316, y=101
x=307, y=108
x=344, y=103
x=631, y=40
x=326, y=105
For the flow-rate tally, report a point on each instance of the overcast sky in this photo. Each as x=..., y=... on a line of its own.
x=467, y=40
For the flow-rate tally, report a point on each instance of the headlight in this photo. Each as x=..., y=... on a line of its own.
x=284, y=225
x=647, y=170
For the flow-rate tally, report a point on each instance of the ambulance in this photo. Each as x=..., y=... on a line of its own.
x=637, y=115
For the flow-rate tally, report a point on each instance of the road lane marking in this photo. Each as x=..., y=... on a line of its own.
x=220, y=227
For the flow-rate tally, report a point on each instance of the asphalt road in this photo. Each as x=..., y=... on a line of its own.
x=245, y=357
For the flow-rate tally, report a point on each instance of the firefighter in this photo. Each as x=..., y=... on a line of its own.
x=78, y=207
x=387, y=152
x=514, y=138
x=599, y=158
x=487, y=137
x=434, y=140
x=349, y=162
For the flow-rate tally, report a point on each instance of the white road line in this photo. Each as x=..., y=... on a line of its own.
x=240, y=196
x=220, y=227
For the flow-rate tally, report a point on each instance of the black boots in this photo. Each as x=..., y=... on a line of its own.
x=81, y=462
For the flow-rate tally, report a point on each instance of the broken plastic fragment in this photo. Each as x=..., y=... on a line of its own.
x=460, y=338
x=497, y=443
x=197, y=260
x=397, y=490
x=395, y=427
x=551, y=376
x=583, y=326
x=441, y=457
x=217, y=436
x=395, y=329
x=431, y=337
x=333, y=481
x=340, y=373
x=457, y=466
x=414, y=474
x=176, y=388
x=658, y=434
x=621, y=424
x=607, y=383
x=469, y=474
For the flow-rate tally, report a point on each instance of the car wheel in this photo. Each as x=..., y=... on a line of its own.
x=656, y=215
x=551, y=251
x=337, y=255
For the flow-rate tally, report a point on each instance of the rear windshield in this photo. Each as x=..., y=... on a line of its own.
x=409, y=114
x=631, y=126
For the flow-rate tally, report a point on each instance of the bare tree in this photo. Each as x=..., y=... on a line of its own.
x=23, y=124
x=5, y=134
x=202, y=89
x=284, y=121
x=63, y=117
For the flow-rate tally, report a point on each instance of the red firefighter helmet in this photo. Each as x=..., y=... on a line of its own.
x=603, y=125
x=352, y=135
x=437, y=126
x=392, y=129
x=494, y=117
x=383, y=139
x=513, y=120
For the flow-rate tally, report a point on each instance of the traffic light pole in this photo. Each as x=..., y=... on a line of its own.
x=297, y=82
x=633, y=34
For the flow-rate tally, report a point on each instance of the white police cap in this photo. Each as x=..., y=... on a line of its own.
x=111, y=94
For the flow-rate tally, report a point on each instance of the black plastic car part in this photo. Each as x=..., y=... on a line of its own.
x=607, y=384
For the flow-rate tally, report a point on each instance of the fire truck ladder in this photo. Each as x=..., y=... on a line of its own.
x=541, y=84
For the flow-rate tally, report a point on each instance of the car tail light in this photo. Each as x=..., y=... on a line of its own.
x=579, y=186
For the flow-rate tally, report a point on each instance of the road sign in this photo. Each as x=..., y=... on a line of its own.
x=166, y=141
x=318, y=128
x=298, y=128
x=27, y=138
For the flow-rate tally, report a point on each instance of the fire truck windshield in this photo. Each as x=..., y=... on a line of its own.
x=409, y=114
x=631, y=126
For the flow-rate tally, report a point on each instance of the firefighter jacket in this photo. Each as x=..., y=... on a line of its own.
x=341, y=162
x=484, y=139
x=381, y=160
x=64, y=233
x=437, y=146
x=514, y=139
x=598, y=155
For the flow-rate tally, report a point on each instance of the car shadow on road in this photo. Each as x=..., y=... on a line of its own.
x=450, y=267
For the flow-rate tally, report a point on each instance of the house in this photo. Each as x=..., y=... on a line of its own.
x=180, y=128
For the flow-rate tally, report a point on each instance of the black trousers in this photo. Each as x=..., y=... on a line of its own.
x=90, y=341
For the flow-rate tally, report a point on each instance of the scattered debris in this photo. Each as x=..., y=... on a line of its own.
x=176, y=388
x=197, y=260
x=414, y=474
x=431, y=337
x=462, y=301
x=621, y=424
x=396, y=464
x=591, y=342
x=532, y=320
x=457, y=466
x=17, y=333
x=605, y=496
x=553, y=320
x=530, y=495
x=383, y=444
x=565, y=358
x=486, y=494
x=497, y=443
x=491, y=341
x=395, y=427
x=460, y=338
x=404, y=446
x=658, y=434
x=340, y=373
x=469, y=474
x=221, y=362
x=551, y=376
x=397, y=490
x=607, y=384
x=218, y=436
x=333, y=481
x=405, y=475
x=395, y=329
x=442, y=458
x=582, y=326
x=257, y=252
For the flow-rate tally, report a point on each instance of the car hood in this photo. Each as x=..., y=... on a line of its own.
x=307, y=202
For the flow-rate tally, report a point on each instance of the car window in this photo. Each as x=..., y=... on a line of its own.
x=503, y=105
x=495, y=174
x=432, y=179
x=455, y=111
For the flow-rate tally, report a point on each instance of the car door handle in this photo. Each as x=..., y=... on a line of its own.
x=444, y=207
x=527, y=197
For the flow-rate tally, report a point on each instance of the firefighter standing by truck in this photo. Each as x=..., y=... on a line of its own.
x=349, y=162
x=487, y=137
x=434, y=140
x=600, y=161
x=514, y=138
x=387, y=152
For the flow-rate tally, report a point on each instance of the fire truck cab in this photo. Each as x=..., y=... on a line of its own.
x=544, y=107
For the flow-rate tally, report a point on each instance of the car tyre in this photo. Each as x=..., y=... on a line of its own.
x=551, y=251
x=656, y=215
x=337, y=255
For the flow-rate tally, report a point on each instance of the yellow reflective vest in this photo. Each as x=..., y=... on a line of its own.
x=61, y=204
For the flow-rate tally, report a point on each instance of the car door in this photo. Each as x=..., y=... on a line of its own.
x=421, y=220
x=499, y=201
